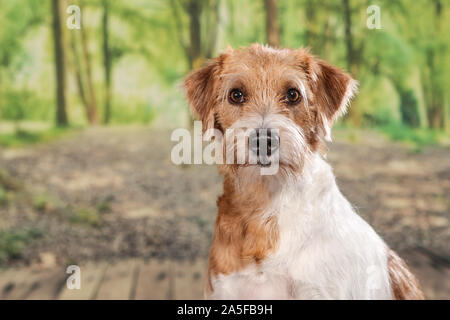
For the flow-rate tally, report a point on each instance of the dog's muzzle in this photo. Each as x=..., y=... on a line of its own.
x=263, y=143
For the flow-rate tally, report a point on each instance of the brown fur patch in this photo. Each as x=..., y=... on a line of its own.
x=404, y=284
x=241, y=236
x=330, y=90
x=201, y=89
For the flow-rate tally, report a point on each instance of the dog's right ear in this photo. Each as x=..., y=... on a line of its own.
x=201, y=91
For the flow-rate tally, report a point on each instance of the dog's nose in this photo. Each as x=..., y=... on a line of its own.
x=264, y=141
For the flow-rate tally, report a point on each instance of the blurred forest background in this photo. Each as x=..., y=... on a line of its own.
x=125, y=63
x=86, y=116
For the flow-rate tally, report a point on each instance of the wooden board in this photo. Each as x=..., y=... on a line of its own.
x=154, y=281
x=91, y=277
x=47, y=285
x=189, y=280
x=22, y=282
x=128, y=279
x=118, y=282
x=7, y=278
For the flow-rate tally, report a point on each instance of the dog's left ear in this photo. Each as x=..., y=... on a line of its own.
x=201, y=91
x=332, y=89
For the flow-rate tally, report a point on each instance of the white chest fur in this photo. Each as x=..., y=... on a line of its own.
x=325, y=250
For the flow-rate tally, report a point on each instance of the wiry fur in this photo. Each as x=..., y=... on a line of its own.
x=291, y=235
x=324, y=250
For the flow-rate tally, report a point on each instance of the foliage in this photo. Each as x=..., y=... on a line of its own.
x=133, y=113
x=22, y=137
x=14, y=242
x=16, y=18
x=43, y=203
x=4, y=199
x=85, y=216
x=403, y=68
x=25, y=104
x=418, y=137
x=49, y=205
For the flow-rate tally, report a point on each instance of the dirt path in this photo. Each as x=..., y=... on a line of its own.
x=113, y=193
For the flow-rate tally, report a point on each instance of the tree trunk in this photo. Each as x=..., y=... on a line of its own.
x=92, y=111
x=78, y=72
x=60, y=72
x=272, y=26
x=199, y=47
x=435, y=90
x=106, y=63
x=349, y=41
x=311, y=24
x=354, y=115
x=213, y=25
x=195, y=57
x=1, y=92
x=194, y=10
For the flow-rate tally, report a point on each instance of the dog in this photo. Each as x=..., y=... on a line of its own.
x=292, y=234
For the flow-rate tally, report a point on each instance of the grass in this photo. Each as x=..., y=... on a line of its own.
x=103, y=207
x=43, y=203
x=22, y=138
x=14, y=242
x=4, y=198
x=46, y=204
x=8, y=182
x=418, y=137
x=414, y=137
x=86, y=216
x=9, y=186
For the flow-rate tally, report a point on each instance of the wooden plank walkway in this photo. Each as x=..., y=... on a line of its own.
x=124, y=280
x=160, y=280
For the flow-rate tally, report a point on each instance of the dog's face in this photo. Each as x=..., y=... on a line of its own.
x=289, y=93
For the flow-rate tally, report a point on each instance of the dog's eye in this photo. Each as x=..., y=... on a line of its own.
x=236, y=96
x=292, y=96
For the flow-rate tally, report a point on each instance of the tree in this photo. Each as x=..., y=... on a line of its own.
x=92, y=111
x=77, y=68
x=433, y=79
x=354, y=52
x=113, y=48
x=16, y=19
x=311, y=33
x=60, y=68
x=394, y=62
x=319, y=26
x=106, y=62
x=430, y=43
x=272, y=25
x=199, y=46
x=82, y=66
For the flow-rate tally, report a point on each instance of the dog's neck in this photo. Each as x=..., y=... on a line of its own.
x=247, y=225
x=313, y=181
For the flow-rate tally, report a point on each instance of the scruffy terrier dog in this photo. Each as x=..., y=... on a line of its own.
x=292, y=234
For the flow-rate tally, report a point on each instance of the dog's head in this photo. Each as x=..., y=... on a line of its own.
x=289, y=100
